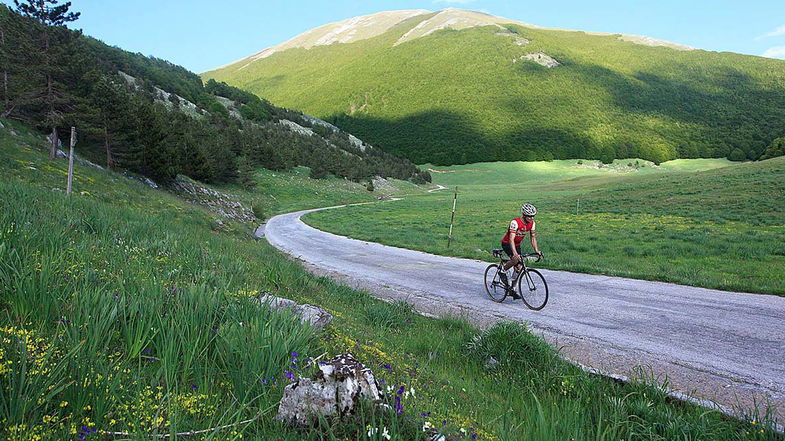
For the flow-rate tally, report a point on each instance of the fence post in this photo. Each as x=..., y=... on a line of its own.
x=71, y=162
x=452, y=218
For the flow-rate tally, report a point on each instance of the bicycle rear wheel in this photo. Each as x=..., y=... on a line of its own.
x=494, y=286
x=533, y=289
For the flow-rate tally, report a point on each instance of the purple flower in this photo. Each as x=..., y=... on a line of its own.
x=294, y=355
x=388, y=367
x=400, y=391
x=444, y=422
x=398, y=405
x=193, y=387
x=289, y=375
x=264, y=381
x=425, y=414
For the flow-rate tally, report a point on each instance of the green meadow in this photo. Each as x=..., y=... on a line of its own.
x=701, y=222
x=126, y=310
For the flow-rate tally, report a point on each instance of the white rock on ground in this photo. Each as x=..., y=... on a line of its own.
x=337, y=389
x=313, y=315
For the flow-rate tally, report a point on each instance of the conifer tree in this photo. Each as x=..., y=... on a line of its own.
x=49, y=14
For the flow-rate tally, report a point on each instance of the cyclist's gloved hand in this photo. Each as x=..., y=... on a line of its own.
x=541, y=255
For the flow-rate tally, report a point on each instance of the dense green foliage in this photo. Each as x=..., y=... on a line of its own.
x=125, y=309
x=777, y=148
x=716, y=228
x=457, y=97
x=155, y=118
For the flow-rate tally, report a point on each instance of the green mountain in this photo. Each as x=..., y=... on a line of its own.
x=456, y=86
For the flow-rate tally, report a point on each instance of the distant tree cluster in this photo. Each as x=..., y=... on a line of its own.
x=134, y=110
x=777, y=148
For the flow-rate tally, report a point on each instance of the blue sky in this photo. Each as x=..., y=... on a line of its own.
x=204, y=34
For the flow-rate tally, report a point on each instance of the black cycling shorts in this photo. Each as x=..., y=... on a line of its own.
x=508, y=249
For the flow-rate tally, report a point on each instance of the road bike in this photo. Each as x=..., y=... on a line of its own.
x=530, y=286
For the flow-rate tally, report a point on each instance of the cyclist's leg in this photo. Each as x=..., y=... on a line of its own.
x=508, y=249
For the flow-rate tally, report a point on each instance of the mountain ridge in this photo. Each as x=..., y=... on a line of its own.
x=346, y=31
x=512, y=92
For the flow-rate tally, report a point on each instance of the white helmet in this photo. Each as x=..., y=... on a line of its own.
x=528, y=210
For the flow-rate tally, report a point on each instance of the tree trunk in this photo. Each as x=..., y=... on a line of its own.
x=53, y=147
x=6, y=98
x=109, y=160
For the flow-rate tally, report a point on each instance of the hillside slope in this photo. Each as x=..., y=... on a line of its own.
x=484, y=93
x=155, y=118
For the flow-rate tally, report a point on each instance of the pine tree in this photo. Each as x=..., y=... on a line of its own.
x=50, y=16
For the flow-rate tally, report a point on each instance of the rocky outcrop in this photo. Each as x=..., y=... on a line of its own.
x=310, y=314
x=337, y=389
x=220, y=203
x=539, y=58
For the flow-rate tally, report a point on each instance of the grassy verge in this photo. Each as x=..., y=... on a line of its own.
x=123, y=309
x=690, y=221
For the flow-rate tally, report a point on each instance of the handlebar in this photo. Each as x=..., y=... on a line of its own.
x=526, y=256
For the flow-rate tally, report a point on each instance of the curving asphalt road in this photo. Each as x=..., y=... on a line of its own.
x=720, y=348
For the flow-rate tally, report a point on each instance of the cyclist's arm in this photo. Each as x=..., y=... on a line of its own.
x=511, y=238
x=532, y=234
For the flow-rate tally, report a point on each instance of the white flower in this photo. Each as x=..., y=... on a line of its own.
x=385, y=433
x=372, y=430
x=427, y=426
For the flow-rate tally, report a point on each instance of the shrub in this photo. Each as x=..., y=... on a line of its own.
x=737, y=155
x=258, y=211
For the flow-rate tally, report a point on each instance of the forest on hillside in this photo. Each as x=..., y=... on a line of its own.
x=152, y=117
x=465, y=96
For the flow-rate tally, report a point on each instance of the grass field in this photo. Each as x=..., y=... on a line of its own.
x=702, y=222
x=125, y=309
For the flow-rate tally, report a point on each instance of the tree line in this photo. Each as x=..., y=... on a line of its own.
x=152, y=117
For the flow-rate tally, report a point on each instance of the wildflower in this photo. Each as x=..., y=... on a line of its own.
x=194, y=387
x=425, y=414
x=427, y=426
x=385, y=433
x=372, y=430
x=264, y=381
x=294, y=355
x=289, y=375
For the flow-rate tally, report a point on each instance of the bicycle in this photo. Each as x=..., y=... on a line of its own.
x=535, y=290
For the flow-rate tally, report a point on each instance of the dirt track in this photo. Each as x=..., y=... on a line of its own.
x=720, y=347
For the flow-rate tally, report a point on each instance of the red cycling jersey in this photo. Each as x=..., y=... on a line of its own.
x=520, y=228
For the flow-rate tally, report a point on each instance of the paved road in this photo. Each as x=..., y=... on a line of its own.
x=713, y=345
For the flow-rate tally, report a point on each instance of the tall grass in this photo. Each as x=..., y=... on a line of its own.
x=123, y=310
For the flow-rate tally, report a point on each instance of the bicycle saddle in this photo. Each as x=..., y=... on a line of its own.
x=497, y=253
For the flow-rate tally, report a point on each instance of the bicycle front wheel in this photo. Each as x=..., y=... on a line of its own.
x=533, y=289
x=494, y=285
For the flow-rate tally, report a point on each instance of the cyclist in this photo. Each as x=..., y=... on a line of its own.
x=511, y=242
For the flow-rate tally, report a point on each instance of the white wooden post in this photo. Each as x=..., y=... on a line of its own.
x=71, y=162
x=452, y=218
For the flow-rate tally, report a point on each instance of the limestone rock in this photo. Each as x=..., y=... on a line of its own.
x=539, y=58
x=313, y=315
x=337, y=389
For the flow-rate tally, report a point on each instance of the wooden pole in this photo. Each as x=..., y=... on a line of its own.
x=452, y=218
x=71, y=162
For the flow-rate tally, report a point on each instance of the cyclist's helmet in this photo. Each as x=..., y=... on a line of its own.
x=528, y=210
